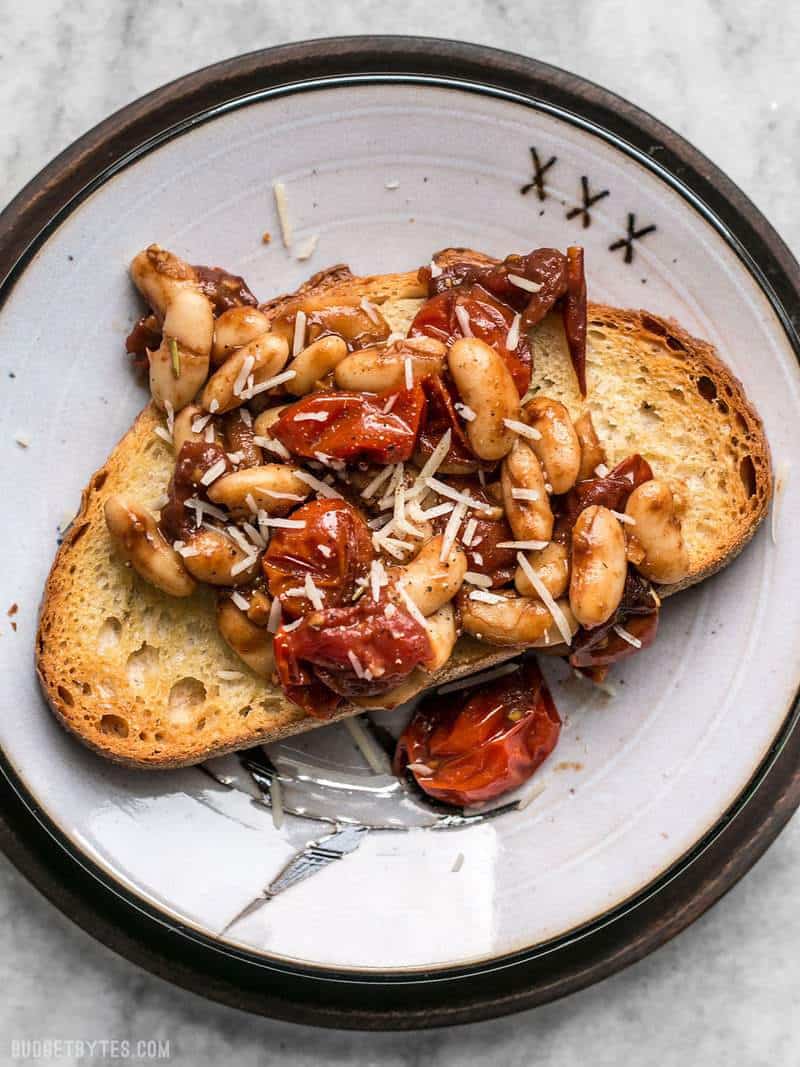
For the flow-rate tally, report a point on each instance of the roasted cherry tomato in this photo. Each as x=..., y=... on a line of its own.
x=192, y=462
x=146, y=334
x=476, y=744
x=334, y=549
x=353, y=426
x=593, y=651
x=556, y=279
x=611, y=491
x=342, y=652
x=224, y=290
x=483, y=555
x=441, y=416
x=489, y=319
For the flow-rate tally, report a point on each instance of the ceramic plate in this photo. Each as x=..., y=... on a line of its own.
x=437, y=145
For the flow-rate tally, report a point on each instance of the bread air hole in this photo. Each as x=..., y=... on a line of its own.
x=108, y=635
x=66, y=696
x=706, y=388
x=141, y=663
x=747, y=472
x=114, y=725
x=185, y=697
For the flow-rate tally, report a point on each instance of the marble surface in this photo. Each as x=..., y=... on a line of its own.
x=723, y=76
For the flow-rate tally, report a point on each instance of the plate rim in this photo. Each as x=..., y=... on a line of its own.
x=491, y=988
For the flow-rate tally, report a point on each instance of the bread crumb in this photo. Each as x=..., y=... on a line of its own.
x=13, y=609
x=392, y=184
x=266, y=237
x=22, y=440
x=307, y=248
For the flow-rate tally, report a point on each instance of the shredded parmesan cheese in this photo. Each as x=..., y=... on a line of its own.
x=408, y=370
x=524, y=546
x=620, y=631
x=355, y=663
x=269, y=383
x=436, y=270
x=601, y=470
x=242, y=603
x=372, y=487
x=465, y=411
x=276, y=801
x=512, y=337
x=299, y=337
x=431, y=465
x=274, y=620
x=282, y=207
x=213, y=472
x=230, y=676
x=307, y=248
x=443, y=489
x=284, y=524
x=200, y=423
x=375, y=756
x=313, y=594
x=463, y=320
x=159, y=431
x=312, y=416
x=369, y=308
x=485, y=597
x=411, y=607
x=451, y=530
x=243, y=375
x=469, y=532
x=243, y=565
x=522, y=429
x=482, y=580
x=525, y=494
x=524, y=283
x=544, y=595
x=318, y=486
x=458, y=863
x=620, y=516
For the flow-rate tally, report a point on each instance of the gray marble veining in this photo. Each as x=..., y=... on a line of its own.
x=723, y=74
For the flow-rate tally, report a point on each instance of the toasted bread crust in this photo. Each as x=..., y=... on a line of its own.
x=108, y=699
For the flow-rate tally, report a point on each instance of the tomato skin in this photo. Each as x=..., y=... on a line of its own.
x=313, y=662
x=611, y=491
x=356, y=426
x=441, y=416
x=490, y=320
x=344, y=556
x=480, y=743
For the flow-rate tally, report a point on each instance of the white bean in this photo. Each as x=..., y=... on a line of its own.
x=530, y=519
x=485, y=385
x=179, y=366
x=251, y=643
x=236, y=327
x=551, y=565
x=428, y=581
x=516, y=620
x=265, y=485
x=382, y=368
x=557, y=447
x=141, y=542
x=216, y=556
x=599, y=566
x=314, y=362
x=655, y=541
x=268, y=354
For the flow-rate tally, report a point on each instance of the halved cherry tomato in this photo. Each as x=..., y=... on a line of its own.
x=476, y=744
x=192, y=462
x=556, y=277
x=340, y=652
x=489, y=318
x=593, y=651
x=353, y=426
x=611, y=491
x=334, y=549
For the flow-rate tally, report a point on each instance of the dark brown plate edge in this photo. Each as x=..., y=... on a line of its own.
x=469, y=994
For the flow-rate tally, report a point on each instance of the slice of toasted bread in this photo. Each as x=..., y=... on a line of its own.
x=135, y=674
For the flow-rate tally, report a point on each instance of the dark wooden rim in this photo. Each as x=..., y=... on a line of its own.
x=390, y=1001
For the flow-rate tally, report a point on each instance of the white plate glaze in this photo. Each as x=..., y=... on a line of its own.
x=693, y=716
